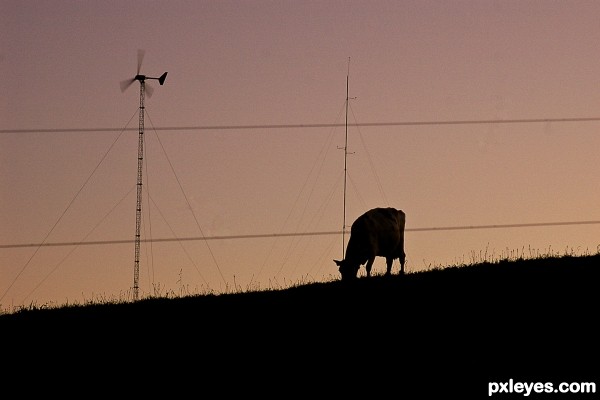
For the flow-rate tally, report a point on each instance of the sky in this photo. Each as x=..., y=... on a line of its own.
x=464, y=114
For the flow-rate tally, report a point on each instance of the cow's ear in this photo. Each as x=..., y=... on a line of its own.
x=338, y=263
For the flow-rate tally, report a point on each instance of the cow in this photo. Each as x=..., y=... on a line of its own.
x=377, y=233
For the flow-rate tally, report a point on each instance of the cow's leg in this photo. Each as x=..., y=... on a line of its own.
x=369, y=266
x=402, y=262
x=389, y=261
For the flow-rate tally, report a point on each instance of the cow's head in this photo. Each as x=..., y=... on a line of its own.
x=347, y=269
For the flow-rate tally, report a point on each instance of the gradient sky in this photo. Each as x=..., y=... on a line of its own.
x=68, y=140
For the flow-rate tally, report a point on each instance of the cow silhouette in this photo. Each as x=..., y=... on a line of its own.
x=377, y=233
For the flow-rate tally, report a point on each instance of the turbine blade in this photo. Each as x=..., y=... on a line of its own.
x=140, y=58
x=149, y=90
x=126, y=83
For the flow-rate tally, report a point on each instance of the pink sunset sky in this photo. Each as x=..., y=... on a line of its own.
x=243, y=139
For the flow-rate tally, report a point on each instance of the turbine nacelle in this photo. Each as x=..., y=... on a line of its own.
x=160, y=79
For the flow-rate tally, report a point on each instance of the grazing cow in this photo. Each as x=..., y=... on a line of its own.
x=377, y=233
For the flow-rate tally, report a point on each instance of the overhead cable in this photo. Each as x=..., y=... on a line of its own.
x=307, y=126
x=270, y=235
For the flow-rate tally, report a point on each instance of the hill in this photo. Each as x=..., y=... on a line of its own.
x=445, y=331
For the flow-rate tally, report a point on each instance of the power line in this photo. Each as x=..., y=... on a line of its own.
x=309, y=126
x=526, y=225
x=271, y=235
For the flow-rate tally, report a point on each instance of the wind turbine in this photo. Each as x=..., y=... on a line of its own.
x=138, y=208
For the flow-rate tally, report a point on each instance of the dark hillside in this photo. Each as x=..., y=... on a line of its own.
x=452, y=330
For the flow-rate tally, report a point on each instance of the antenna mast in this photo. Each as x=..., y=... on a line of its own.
x=345, y=165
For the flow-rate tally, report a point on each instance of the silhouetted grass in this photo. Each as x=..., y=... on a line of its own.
x=495, y=283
